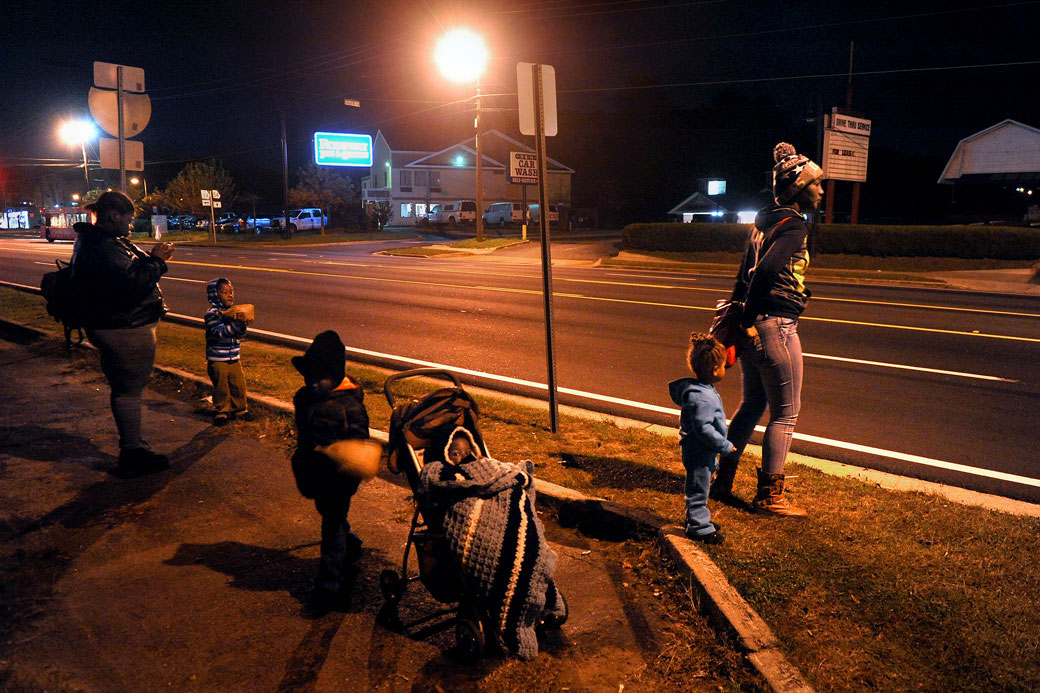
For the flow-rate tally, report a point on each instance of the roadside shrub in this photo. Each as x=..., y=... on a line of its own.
x=685, y=238
x=992, y=242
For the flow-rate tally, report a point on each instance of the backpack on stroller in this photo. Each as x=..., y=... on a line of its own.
x=415, y=426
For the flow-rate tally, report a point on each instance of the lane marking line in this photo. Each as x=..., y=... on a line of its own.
x=921, y=369
x=830, y=442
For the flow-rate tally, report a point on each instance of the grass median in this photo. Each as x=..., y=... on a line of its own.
x=878, y=589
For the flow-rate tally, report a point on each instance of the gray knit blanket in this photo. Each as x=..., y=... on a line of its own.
x=498, y=540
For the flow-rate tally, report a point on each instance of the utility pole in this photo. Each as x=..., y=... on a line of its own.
x=480, y=175
x=285, y=177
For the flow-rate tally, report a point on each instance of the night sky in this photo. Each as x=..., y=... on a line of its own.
x=652, y=94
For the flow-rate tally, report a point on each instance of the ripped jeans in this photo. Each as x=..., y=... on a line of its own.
x=771, y=376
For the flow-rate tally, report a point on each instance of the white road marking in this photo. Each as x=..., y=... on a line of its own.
x=920, y=369
x=182, y=279
x=880, y=452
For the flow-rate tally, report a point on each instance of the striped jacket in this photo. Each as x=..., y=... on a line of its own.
x=222, y=333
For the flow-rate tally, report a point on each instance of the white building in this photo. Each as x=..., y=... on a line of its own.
x=413, y=180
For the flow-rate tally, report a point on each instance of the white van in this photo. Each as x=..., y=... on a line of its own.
x=502, y=213
x=554, y=214
x=453, y=213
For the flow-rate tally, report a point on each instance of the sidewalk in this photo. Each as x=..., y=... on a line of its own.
x=197, y=578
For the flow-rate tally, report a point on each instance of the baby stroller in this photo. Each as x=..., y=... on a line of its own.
x=414, y=426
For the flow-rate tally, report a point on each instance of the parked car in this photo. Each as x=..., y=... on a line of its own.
x=231, y=223
x=258, y=224
x=453, y=213
x=307, y=219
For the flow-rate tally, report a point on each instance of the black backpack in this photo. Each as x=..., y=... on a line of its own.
x=64, y=301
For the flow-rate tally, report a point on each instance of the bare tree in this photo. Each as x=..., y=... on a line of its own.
x=182, y=194
x=325, y=188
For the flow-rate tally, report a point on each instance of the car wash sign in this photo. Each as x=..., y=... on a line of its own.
x=342, y=149
x=846, y=141
x=523, y=168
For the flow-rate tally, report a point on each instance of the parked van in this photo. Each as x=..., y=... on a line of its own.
x=453, y=213
x=502, y=213
x=554, y=214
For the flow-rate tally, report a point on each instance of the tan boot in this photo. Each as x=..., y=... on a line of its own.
x=722, y=483
x=770, y=497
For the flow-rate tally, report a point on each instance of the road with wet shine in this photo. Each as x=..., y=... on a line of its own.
x=931, y=383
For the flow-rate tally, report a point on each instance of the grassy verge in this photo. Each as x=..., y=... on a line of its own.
x=463, y=246
x=202, y=237
x=879, y=589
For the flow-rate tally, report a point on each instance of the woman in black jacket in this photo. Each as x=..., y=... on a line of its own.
x=122, y=304
x=771, y=282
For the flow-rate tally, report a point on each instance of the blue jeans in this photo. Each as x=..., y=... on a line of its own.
x=698, y=517
x=772, y=376
x=340, y=547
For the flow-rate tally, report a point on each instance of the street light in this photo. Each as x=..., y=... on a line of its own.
x=78, y=132
x=135, y=180
x=462, y=56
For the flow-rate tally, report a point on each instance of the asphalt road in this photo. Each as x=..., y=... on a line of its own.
x=942, y=385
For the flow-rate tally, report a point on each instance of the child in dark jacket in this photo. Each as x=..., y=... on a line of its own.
x=702, y=431
x=224, y=331
x=329, y=408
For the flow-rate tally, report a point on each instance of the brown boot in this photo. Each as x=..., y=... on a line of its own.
x=770, y=497
x=722, y=483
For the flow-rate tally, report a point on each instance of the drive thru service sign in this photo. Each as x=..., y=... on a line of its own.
x=523, y=168
x=846, y=143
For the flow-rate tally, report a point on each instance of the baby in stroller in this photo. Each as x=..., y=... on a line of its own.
x=486, y=510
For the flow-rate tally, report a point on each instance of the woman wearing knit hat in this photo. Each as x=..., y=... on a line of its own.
x=771, y=284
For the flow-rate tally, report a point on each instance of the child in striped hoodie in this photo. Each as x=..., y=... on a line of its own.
x=223, y=332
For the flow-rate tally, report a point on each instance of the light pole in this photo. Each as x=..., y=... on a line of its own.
x=78, y=132
x=135, y=180
x=462, y=56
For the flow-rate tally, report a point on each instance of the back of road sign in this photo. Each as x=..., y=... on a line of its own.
x=525, y=97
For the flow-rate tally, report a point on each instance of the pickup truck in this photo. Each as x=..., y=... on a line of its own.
x=308, y=219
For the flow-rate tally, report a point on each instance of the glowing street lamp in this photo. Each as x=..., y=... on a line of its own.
x=136, y=181
x=78, y=132
x=462, y=57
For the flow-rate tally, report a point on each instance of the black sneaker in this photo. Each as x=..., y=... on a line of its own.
x=714, y=538
x=220, y=420
x=245, y=416
x=141, y=461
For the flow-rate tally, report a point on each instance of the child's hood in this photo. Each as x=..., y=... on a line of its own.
x=213, y=292
x=681, y=388
x=463, y=432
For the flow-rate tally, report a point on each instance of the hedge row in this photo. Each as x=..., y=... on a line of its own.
x=996, y=242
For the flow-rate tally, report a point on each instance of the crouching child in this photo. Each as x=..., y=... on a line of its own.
x=329, y=409
x=702, y=431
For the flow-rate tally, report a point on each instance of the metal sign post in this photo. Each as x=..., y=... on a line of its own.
x=123, y=116
x=543, y=229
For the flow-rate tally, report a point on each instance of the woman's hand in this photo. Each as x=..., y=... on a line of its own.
x=163, y=251
x=752, y=333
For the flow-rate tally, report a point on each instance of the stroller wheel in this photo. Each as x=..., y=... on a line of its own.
x=391, y=585
x=469, y=640
x=557, y=619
